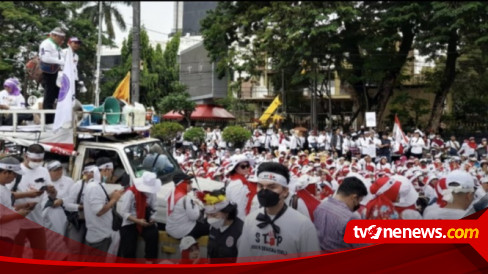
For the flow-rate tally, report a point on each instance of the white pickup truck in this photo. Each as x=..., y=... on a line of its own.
x=126, y=145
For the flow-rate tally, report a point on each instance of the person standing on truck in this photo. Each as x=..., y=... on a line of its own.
x=35, y=178
x=74, y=208
x=97, y=205
x=138, y=211
x=74, y=43
x=9, y=168
x=51, y=57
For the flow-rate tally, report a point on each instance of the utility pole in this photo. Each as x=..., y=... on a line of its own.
x=314, y=95
x=283, y=93
x=99, y=53
x=136, y=57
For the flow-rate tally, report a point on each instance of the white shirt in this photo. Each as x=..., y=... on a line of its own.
x=183, y=218
x=369, y=146
x=98, y=228
x=321, y=140
x=295, y=142
x=63, y=186
x=312, y=139
x=12, y=101
x=237, y=192
x=417, y=145
x=50, y=53
x=70, y=202
x=297, y=235
x=27, y=183
x=128, y=206
x=10, y=229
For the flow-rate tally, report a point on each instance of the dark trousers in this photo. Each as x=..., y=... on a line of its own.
x=51, y=92
x=128, y=241
x=37, y=240
x=199, y=230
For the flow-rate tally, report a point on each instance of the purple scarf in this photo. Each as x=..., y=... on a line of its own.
x=13, y=84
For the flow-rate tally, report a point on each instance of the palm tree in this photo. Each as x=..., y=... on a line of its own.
x=109, y=12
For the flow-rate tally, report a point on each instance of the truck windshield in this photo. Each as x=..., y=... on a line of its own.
x=152, y=157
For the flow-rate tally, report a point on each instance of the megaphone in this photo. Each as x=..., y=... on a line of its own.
x=110, y=105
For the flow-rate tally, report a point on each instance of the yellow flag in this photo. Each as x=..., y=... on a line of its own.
x=270, y=110
x=123, y=90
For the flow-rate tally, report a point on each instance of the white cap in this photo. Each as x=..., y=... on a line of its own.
x=58, y=31
x=148, y=183
x=187, y=242
x=460, y=181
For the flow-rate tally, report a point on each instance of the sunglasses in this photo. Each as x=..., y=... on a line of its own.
x=244, y=166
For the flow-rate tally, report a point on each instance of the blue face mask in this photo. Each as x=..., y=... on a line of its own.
x=104, y=179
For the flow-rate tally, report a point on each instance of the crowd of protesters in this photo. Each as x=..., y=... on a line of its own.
x=285, y=193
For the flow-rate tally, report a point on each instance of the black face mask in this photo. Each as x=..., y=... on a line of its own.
x=268, y=198
x=356, y=207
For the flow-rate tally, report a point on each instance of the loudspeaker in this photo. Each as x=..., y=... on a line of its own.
x=110, y=105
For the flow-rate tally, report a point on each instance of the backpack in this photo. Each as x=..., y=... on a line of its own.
x=33, y=69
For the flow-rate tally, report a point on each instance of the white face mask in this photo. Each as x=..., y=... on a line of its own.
x=216, y=223
x=35, y=165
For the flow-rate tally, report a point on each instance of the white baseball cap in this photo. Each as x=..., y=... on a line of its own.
x=460, y=181
x=187, y=242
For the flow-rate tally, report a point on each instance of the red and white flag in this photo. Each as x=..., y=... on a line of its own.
x=400, y=138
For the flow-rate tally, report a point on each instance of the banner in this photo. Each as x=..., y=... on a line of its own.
x=66, y=97
x=370, y=119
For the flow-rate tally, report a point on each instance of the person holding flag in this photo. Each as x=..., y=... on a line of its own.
x=401, y=140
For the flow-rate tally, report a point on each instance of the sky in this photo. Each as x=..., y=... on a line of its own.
x=157, y=17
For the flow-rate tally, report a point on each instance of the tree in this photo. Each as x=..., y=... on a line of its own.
x=159, y=75
x=180, y=103
x=449, y=29
x=110, y=14
x=166, y=131
x=368, y=43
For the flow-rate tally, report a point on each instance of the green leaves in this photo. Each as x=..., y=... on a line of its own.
x=160, y=73
x=195, y=135
x=236, y=135
x=166, y=131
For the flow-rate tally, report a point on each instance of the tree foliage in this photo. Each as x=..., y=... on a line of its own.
x=195, y=135
x=236, y=135
x=180, y=103
x=367, y=43
x=159, y=75
x=166, y=131
x=110, y=14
